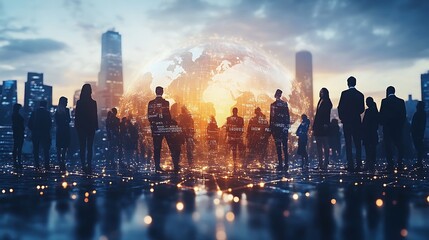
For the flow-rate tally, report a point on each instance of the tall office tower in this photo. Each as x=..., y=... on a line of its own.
x=35, y=91
x=8, y=99
x=425, y=89
x=304, y=76
x=110, y=79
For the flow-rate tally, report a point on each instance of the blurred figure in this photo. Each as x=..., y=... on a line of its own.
x=279, y=126
x=131, y=143
x=62, y=121
x=350, y=108
x=187, y=124
x=393, y=117
x=175, y=138
x=418, y=126
x=18, y=135
x=122, y=141
x=159, y=116
x=112, y=127
x=321, y=128
x=40, y=124
x=302, y=133
x=257, y=137
x=86, y=123
x=335, y=139
x=234, y=132
x=370, y=133
x=212, y=140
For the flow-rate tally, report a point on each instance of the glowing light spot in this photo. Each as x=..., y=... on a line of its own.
x=379, y=203
x=236, y=199
x=87, y=194
x=179, y=185
x=180, y=206
x=41, y=193
x=38, y=187
x=404, y=232
x=147, y=220
x=295, y=196
x=356, y=183
x=307, y=194
x=86, y=200
x=3, y=191
x=229, y=189
x=427, y=199
x=219, y=213
x=333, y=201
x=219, y=193
x=250, y=185
x=261, y=184
x=94, y=192
x=196, y=189
x=43, y=187
x=64, y=185
x=74, y=183
x=220, y=235
x=230, y=216
x=11, y=190
x=74, y=196
x=341, y=180
x=151, y=190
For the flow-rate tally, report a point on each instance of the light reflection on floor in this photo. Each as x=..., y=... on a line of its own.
x=209, y=203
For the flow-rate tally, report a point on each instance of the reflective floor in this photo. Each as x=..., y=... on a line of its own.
x=214, y=203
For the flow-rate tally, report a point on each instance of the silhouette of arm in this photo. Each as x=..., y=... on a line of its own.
x=95, y=116
x=341, y=107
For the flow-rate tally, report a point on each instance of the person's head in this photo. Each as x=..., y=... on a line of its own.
x=86, y=91
x=258, y=111
x=369, y=102
x=159, y=91
x=43, y=104
x=390, y=90
x=420, y=106
x=16, y=108
x=63, y=102
x=304, y=117
x=114, y=111
x=212, y=119
x=351, y=81
x=324, y=93
x=235, y=111
x=278, y=94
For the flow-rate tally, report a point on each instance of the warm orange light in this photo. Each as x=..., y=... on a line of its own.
x=379, y=203
x=180, y=206
x=147, y=220
x=333, y=201
x=230, y=216
x=64, y=184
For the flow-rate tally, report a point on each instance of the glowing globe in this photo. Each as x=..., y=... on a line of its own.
x=210, y=78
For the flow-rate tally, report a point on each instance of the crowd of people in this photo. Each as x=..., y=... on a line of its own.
x=125, y=140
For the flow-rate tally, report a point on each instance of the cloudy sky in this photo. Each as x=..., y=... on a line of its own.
x=382, y=43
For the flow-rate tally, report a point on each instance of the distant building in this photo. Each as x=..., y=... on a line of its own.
x=425, y=89
x=110, y=78
x=410, y=106
x=35, y=91
x=8, y=99
x=304, y=75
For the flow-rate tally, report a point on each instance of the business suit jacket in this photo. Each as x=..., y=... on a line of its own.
x=86, y=119
x=351, y=106
x=392, y=113
x=322, y=118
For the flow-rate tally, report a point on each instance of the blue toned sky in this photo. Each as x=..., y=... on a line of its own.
x=380, y=42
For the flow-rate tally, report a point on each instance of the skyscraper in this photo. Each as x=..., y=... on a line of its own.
x=8, y=99
x=110, y=79
x=36, y=91
x=425, y=89
x=304, y=76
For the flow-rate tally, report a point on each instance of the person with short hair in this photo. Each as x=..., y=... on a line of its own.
x=62, y=122
x=279, y=126
x=40, y=124
x=234, y=133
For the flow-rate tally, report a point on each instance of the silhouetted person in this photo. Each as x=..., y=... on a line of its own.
x=112, y=127
x=370, y=133
x=335, y=139
x=302, y=134
x=40, y=124
x=321, y=128
x=86, y=123
x=158, y=112
x=122, y=141
x=62, y=121
x=18, y=135
x=175, y=138
x=393, y=117
x=350, y=108
x=258, y=132
x=212, y=139
x=130, y=142
x=234, y=132
x=187, y=124
x=279, y=126
x=418, y=126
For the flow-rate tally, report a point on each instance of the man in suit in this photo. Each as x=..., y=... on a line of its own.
x=159, y=117
x=279, y=126
x=393, y=117
x=234, y=132
x=40, y=124
x=350, y=108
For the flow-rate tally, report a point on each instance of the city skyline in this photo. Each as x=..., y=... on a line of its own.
x=367, y=39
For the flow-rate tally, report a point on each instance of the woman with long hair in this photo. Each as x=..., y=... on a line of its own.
x=62, y=121
x=18, y=135
x=321, y=123
x=86, y=123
